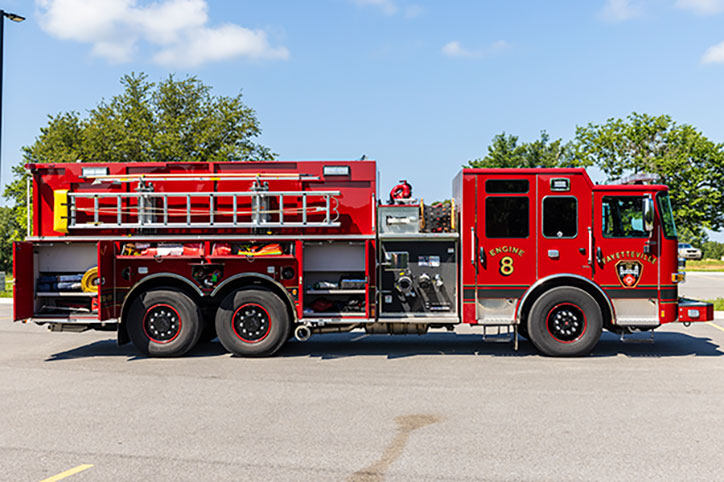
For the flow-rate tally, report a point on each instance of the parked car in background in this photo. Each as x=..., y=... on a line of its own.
x=687, y=251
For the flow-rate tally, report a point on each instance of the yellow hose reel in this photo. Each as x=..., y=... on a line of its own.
x=89, y=282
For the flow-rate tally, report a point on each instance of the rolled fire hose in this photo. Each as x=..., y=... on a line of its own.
x=89, y=282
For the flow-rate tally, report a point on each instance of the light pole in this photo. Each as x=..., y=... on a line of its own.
x=15, y=18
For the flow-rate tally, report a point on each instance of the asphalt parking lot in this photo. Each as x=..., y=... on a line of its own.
x=703, y=285
x=356, y=407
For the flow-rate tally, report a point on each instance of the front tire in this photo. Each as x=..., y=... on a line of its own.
x=252, y=323
x=565, y=322
x=164, y=323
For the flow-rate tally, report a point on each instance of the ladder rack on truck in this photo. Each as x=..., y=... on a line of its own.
x=156, y=210
x=166, y=254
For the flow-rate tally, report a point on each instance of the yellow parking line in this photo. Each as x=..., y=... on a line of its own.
x=715, y=325
x=67, y=473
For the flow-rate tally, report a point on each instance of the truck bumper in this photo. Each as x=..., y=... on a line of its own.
x=692, y=310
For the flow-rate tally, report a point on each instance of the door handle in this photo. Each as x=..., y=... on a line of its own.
x=481, y=256
x=590, y=247
x=473, y=242
x=599, y=255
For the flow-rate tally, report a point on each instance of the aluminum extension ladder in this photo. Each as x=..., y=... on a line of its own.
x=148, y=209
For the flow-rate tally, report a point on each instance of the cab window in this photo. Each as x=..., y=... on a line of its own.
x=506, y=217
x=623, y=217
x=667, y=215
x=560, y=217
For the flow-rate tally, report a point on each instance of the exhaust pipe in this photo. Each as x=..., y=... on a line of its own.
x=302, y=333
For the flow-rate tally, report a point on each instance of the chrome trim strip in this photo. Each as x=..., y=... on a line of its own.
x=165, y=275
x=418, y=236
x=564, y=275
x=155, y=276
x=261, y=276
x=196, y=237
x=338, y=321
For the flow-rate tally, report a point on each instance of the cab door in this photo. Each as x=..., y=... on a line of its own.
x=627, y=256
x=505, y=244
x=564, y=202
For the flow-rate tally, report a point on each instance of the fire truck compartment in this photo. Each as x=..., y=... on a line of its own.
x=399, y=219
x=60, y=273
x=418, y=278
x=335, y=279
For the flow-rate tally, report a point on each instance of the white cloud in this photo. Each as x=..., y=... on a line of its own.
x=714, y=54
x=176, y=29
x=227, y=41
x=391, y=7
x=455, y=49
x=702, y=7
x=620, y=10
x=388, y=7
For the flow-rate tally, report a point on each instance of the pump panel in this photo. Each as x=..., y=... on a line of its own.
x=419, y=277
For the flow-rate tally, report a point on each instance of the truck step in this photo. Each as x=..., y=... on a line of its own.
x=627, y=337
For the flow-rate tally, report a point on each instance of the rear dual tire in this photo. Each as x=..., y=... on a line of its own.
x=164, y=323
x=252, y=322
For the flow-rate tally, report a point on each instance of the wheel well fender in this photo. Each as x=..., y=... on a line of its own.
x=243, y=280
x=155, y=281
x=563, y=279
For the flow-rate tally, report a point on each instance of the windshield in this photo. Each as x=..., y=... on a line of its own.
x=667, y=215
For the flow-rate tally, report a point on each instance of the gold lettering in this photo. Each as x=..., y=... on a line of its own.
x=506, y=249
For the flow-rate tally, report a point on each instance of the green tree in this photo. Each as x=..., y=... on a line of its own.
x=173, y=120
x=10, y=232
x=712, y=250
x=677, y=154
x=505, y=151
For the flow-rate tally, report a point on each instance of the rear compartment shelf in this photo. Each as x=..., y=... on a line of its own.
x=335, y=292
x=65, y=294
x=332, y=264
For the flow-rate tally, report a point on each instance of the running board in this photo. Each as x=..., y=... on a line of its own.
x=650, y=339
x=501, y=337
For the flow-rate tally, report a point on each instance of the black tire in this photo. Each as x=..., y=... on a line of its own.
x=565, y=322
x=252, y=322
x=164, y=323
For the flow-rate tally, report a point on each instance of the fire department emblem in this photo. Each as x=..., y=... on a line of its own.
x=629, y=272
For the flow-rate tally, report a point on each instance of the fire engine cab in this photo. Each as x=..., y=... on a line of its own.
x=166, y=254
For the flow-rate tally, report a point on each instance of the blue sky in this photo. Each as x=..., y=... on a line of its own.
x=419, y=86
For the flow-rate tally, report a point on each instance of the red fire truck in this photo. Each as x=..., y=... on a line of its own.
x=256, y=253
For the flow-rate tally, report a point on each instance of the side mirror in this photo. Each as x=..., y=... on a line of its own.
x=648, y=209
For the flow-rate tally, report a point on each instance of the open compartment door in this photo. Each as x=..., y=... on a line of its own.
x=23, y=292
x=107, y=303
